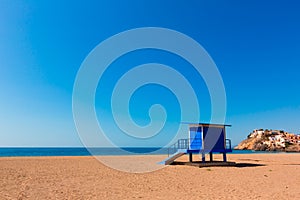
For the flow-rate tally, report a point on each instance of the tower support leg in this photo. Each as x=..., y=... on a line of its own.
x=191, y=157
x=203, y=157
x=224, y=157
x=211, y=156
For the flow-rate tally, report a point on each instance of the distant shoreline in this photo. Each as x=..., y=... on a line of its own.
x=80, y=151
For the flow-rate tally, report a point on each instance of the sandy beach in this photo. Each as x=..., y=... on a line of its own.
x=258, y=176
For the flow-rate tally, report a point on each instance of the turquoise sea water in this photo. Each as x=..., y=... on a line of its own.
x=71, y=151
x=14, y=152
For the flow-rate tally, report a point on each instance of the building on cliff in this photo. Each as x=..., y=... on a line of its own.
x=271, y=140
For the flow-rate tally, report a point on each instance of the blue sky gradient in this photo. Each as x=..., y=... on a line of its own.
x=255, y=45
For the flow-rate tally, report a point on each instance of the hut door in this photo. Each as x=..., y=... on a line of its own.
x=195, y=138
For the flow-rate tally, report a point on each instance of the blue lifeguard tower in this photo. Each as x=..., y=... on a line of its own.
x=203, y=138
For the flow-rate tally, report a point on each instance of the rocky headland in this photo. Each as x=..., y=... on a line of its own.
x=271, y=140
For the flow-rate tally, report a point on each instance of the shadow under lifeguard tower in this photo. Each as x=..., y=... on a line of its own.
x=203, y=138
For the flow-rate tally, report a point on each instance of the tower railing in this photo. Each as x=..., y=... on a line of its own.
x=180, y=144
x=185, y=144
x=228, y=144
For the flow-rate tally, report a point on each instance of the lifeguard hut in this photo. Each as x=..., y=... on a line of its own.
x=203, y=138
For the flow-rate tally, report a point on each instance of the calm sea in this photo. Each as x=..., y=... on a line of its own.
x=13, y=152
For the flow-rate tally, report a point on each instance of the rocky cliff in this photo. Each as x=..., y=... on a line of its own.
x=269, y=140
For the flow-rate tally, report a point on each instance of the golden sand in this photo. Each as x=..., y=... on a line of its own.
x=259, y=176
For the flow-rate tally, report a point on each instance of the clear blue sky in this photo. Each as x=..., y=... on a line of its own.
x=255, y=44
